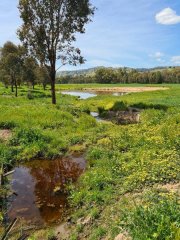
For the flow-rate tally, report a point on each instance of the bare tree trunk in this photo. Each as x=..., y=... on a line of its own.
x=12, y=83
x=16, y=87
x=53, y=92
x=44, y=86
x=12, y=87
x=53, y=82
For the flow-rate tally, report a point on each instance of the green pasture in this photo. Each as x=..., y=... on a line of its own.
x=129, y=166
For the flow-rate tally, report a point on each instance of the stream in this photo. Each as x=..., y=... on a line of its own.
x=39, y=189
x=39, y=194
x=96, y=116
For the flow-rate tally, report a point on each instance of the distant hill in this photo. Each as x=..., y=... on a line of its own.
x=91, y=71
x=153, y=69
x=88, y=71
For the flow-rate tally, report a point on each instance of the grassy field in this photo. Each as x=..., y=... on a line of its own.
x=130, y=187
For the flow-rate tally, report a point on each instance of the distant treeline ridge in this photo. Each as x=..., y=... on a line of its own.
x=123, y=75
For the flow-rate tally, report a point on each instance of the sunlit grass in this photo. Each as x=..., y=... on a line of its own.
x=122, y=160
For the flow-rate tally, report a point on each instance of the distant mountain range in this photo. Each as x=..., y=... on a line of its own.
x=91, y=71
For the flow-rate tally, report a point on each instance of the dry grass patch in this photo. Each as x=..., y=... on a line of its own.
x=5, y=134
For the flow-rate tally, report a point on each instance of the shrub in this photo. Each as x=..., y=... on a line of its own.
x=119, y=106
x=86, y=122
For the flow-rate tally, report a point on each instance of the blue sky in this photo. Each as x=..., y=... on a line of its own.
x=133, y=33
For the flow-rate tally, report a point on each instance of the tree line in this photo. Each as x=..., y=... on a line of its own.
x=125, y=76
x=17, y=68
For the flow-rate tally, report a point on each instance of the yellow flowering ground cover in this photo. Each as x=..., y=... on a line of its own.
x=122, y=190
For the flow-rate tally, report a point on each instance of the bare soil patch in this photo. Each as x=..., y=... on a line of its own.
x=175, y=187
x=123, y=236
x=5, y=134
x=125, y=89
x=62, y=232
x=123, y=117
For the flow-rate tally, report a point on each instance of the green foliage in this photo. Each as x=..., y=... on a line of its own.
x=121, y=75
x=6, y=154
x=46, y=234
x=11, y=63
x=119, y=106
x=86, y=122
x=69, y=16
x=105, y=75
x=98, y=233
x=131, y=158
x=85, y=108
x=128, y=159
x=40, y=130
x=159, y=219
x=142, y=105
x=122, y=161
x=95, y=213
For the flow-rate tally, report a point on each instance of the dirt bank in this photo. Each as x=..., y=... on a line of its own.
x=125, y=89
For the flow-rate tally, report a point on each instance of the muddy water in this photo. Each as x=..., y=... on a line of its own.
x=39, y=187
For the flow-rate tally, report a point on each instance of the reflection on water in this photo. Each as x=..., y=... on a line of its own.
x=81, y=95
x=86, y=95
x=40, y=189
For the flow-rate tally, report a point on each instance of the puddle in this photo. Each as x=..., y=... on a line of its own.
x=85, y=94
x=39, y=189
x=96, y=116
x=81, y=95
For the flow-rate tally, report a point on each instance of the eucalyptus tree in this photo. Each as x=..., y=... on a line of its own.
x=105, y=75
x=4, y=77
x=42, y=76
x=49, y=30
x=11, y=61
x=29, y=70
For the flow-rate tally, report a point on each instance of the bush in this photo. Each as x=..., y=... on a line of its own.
x=86, y=122
x=102, y=112
x=119, y=106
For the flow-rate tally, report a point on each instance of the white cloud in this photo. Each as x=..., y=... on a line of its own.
x=158, y=56
x=175, y=60
x=167, y=17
